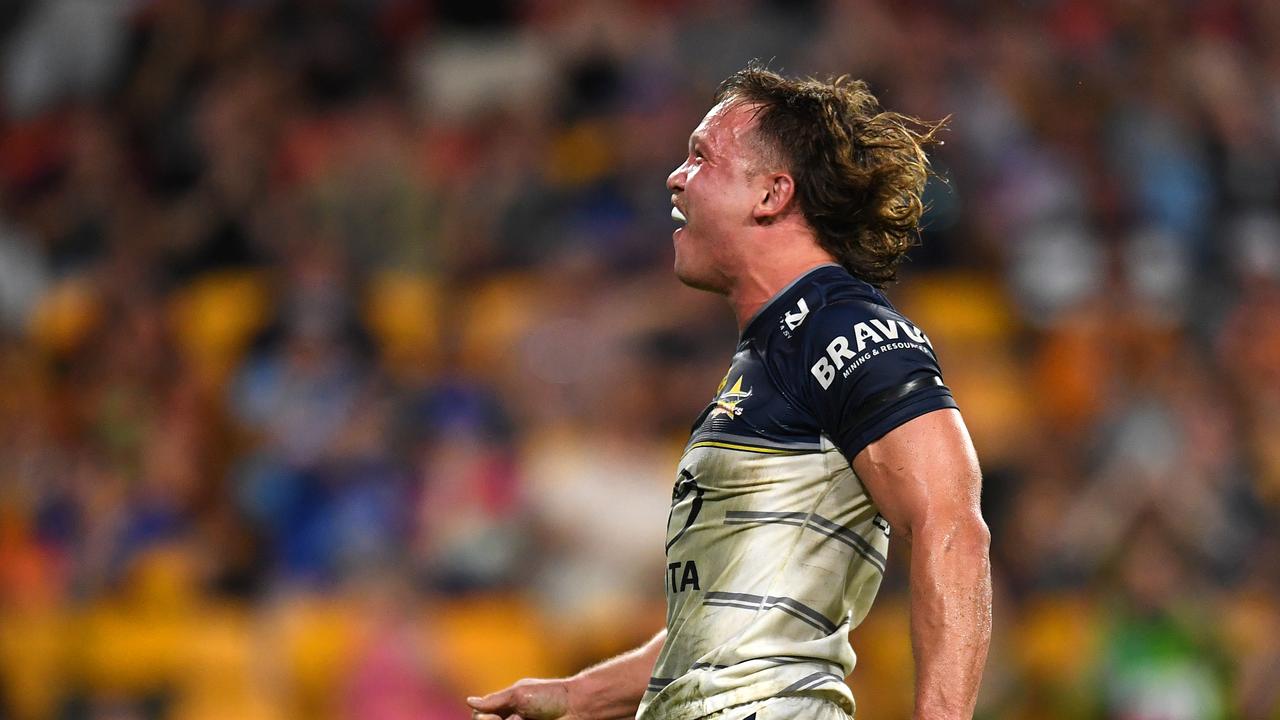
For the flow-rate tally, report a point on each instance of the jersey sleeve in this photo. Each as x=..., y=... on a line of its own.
x=868, y=370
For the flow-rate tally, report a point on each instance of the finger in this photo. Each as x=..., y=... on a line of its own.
x=491, y=702
x=485, y=716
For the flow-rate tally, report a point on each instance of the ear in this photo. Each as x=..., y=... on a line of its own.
x=777, y=200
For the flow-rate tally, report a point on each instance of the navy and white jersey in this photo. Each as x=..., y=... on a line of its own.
x=774, y=548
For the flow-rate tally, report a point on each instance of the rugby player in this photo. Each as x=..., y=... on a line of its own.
x=797, y=200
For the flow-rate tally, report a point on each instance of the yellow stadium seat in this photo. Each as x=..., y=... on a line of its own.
x=402, y=309
x=138, y=641
x=33, y=660
x=216, y=316
x=65, y=315
x=489, y=642
x=226, y=673
x=957, y=307
x=1057, y=639
x=494, y=316
x=581, y=154
x=318, y=640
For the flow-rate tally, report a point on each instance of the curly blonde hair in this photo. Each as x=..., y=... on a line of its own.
x=859, y=171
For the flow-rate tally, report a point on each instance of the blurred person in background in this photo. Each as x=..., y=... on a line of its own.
x=797, y=200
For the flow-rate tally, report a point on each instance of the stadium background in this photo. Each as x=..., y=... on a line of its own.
x=343, y=373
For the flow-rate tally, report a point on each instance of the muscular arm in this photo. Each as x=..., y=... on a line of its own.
x=924, y=477
x=610, y=690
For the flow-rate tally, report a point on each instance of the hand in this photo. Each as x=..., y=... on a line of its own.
x=526, y=700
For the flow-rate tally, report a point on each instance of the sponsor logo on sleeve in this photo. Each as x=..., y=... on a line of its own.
x=792, y=319
x=869, y=340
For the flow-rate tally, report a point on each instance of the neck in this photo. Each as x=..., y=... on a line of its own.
x=759, y=284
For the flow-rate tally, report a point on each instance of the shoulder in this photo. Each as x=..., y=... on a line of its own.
x=847, y=356
x=847, y=334
x=867, y=370
x=838, y=323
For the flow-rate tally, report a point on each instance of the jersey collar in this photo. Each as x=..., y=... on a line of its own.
x=786, y=295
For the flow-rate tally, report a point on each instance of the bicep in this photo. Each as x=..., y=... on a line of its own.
x=924, y=470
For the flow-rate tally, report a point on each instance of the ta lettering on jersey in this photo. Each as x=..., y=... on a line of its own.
x=682, y=575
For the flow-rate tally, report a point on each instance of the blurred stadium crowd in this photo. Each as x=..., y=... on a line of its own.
x=343, y=373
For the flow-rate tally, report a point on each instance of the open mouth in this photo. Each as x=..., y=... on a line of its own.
x=677, y=215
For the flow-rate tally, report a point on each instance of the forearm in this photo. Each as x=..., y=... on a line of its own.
x=950, y=617
x=613, y=688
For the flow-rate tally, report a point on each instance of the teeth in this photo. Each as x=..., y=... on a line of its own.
x=677, y=215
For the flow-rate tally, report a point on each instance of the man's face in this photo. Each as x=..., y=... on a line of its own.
x=714, y=193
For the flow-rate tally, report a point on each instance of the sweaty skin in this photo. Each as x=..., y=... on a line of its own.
x=608, y=691
x=924, y=477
